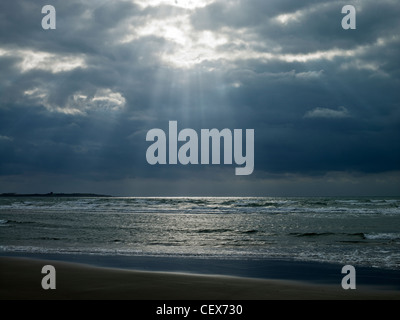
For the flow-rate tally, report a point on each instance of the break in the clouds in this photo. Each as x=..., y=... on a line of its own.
x=319, y=112
x=76, y=102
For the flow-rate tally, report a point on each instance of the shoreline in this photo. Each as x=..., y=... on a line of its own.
x=266, y=268
x=21, y=279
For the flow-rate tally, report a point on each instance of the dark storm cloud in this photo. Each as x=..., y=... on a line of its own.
x=300, y=26
x=78, y=101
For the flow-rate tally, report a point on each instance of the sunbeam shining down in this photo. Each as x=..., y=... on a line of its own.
x=77, y=100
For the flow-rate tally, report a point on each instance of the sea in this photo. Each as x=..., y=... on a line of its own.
x=362, y=231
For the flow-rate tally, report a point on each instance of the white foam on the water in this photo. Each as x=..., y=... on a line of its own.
x=382, y=236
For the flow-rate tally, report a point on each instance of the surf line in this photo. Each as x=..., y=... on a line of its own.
x=188, y=153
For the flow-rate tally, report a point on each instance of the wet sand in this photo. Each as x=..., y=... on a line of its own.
x=20, y=278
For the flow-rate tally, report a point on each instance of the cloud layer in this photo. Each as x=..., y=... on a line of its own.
x=76, y=102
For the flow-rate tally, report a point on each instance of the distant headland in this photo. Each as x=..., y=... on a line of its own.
x=51, y=194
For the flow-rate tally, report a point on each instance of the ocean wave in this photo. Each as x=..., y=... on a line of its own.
x=319, y=234
x=382, y=236
x=223, y=230
x=259, y=204
x=210, y=205
x=213, y=230
x=250, y=231
x=311, y=234
x=10, y=223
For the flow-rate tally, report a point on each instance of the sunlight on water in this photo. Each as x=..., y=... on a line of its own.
x=360, y=230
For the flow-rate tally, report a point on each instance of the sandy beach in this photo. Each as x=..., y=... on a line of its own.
x=20, y=278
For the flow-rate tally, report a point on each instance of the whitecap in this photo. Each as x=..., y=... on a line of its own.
x=382, y=236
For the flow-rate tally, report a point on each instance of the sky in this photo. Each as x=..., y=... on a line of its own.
x=77, y=102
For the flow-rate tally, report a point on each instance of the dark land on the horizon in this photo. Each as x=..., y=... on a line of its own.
x=51, y=194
